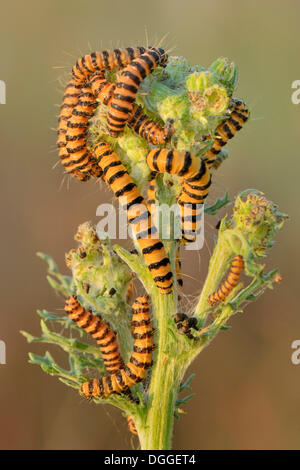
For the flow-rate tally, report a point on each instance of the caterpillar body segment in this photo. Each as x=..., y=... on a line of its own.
x=106, y=386
x=141, y=358
x=148, y=129
x=70, y=99
x=229, y=283
x=87, y=65
x=131, y=425
x=101, y=87
x=196, y=180
x=135, y=370
x=227, y=129
x=117, y=177
x=80, y=158
x=99, y=330
x=121, y=105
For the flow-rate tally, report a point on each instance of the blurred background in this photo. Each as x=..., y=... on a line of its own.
x=247, y=388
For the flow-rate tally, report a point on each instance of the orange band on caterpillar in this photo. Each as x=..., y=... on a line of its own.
x=229, y=283
x=226, y=130
x=100, y=330
x=131, y=425
x=121, y=104
x=140, y=361
x=117, y=177
x=196, y=180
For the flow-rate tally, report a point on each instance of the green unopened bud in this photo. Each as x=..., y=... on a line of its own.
x=226, y=72
x=259, y=219
x=135, y=149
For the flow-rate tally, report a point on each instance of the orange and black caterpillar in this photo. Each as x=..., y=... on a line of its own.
x=140, y=361
x=70, y=99
x=137, y=120
x=100, y=330
x=195, y=185
x=87, y=65
x=148, y=129
x=227, y=129
x=229, y=283
x=131, y=425
x=79, y=158
x=185, y=323
x=117, y=177
x=121, y=104
x=151, y=200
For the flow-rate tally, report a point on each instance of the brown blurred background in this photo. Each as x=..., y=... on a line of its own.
x=248, y=391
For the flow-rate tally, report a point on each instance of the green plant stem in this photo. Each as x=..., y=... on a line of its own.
x=164, y=386
x=217, y=267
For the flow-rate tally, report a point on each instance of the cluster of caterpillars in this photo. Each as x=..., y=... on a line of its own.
x=88, y=86
x=120, y=377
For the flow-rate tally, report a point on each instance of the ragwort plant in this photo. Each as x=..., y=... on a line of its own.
x=197, y=101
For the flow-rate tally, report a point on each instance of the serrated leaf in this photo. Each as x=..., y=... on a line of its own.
x=217, y=205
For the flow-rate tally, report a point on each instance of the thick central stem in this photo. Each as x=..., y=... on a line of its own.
x=157, y=433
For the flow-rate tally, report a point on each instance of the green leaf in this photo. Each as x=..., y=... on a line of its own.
x=185, y=399
x=217, y=205
x=186, y=385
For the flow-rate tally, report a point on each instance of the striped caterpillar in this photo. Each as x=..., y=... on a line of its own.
x=117, y=177
x=70, y=99
x=99, y=330
x=137, y=120
x=226, y=130
x=121, y=104
x=79, y=158
x=140, y=361
x=87, y=65
x=195, y=185
x=151, y=200
x=229, y=283
x=131, y=425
